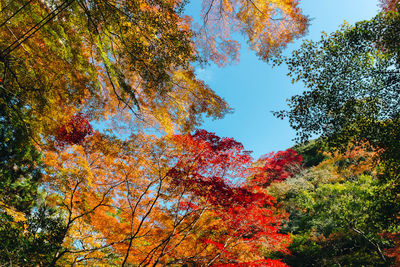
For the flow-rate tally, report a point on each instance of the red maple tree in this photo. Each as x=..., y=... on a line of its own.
x=215, y=170
x=276, y=167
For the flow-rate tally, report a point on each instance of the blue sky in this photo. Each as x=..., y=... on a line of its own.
x=254, y=89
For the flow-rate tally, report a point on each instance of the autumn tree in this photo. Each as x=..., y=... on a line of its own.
x=268, y=26
x=181, y=199
x=243, y=216
x=64, y=64
x=75, y=131
x=275, y=167
x=129, y=58
x=107, y=60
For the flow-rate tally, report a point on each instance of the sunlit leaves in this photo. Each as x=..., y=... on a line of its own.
x=145, y=199
x=131, y=59
x=275, y=167
x=268, y=26
x=151, y=204
x=109, y=60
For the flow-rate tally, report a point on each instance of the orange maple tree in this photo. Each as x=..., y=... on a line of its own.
x=123, y=60
x=180, y=199
x=268, y=25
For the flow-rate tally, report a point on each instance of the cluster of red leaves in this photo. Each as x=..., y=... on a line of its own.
x=259, y=263
x=188, y=206
x=205, y=157
x=395, y=251
x=209, y=166
x=75, y=131
x=218, y=191
x=215, y=169
x=277, y=167
x=388, y=5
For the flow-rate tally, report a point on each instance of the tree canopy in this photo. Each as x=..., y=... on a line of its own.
x=351, y=97
x=72, y=194
x=351, y=79
x=130, y=59
x=102, y=161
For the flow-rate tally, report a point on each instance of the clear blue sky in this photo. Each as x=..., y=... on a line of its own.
x=254, y=89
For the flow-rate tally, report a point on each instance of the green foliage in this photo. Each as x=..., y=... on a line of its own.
x=342, y=206
x=312, y=152
x=351, y=79
x=333, y=221
x=19, y=160
x=30, y=232
x=32, y=242
x=336, y=250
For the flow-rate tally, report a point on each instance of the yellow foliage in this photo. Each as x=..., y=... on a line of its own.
x=16, y=215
